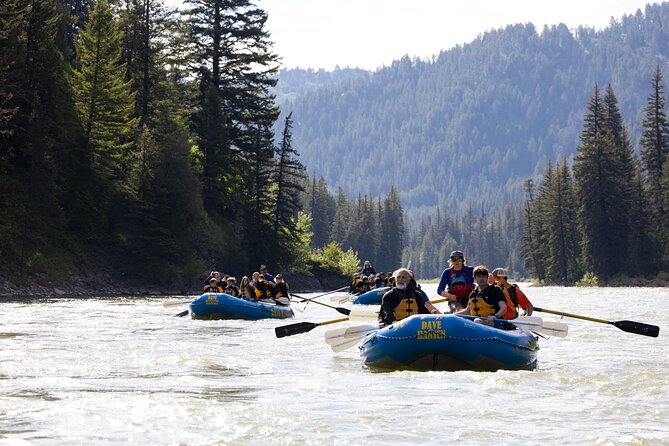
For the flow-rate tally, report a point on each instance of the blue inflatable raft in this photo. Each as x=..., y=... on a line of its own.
x=447, y=342
x=371, y=297
x=223, y=306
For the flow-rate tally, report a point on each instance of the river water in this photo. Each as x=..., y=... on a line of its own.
x=124, y=371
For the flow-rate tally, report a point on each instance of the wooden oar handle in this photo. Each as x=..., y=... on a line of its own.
x=575, y=316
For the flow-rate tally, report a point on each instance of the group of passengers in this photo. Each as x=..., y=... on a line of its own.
x=261, y=286
x=367, y=279
x=470, y=291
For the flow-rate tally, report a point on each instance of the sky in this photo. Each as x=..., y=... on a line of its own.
x=370, y=34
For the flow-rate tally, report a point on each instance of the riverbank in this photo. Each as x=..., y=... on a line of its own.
x=114, y=283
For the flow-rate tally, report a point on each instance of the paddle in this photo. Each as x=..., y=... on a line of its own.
x=342, y=310
x=324, y=294
x=340, y=299
x=344, y=338
x=628, y=326
x=167, y=303
x=182, y=314
x=302, y=327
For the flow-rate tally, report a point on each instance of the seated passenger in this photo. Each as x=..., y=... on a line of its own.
x=246, y=290
x=401, y=301
x=206, y=285
x=379, y=281
x=281, y=288
x=485, y=301
x=231, y=288
x=212, y=287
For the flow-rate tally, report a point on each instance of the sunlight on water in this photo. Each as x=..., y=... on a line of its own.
x=125, y=371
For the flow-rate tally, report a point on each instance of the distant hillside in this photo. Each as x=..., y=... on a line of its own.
x=477, y=120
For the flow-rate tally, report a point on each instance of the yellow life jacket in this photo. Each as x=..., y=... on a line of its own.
x=407, y=307
x=245, y=293
x=479, y=307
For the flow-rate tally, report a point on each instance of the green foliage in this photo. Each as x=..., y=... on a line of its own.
x=589, y=279
x=332, y=257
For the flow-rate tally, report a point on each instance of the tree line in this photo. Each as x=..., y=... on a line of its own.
x=603, y=215
x=142, y=137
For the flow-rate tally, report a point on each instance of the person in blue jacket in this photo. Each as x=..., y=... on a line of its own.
x=367, y=269
x=457, y=282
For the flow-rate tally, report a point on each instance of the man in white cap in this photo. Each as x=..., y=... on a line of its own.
x=515, y=298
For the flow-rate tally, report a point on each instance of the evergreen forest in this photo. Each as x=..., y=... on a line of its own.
x=163, y=143
x=140, y=139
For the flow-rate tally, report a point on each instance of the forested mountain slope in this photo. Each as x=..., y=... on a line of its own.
x=478, y=119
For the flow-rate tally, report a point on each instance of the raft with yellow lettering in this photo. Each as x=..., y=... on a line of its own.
x=223, y=306
x=447, y=342
x=371, y=297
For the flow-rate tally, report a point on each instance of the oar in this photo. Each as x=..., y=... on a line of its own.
x=340, y=299
x=344, y=338
x=302, y=327
x=168, y=303
x=628, y=326
x=182, y=314
x=324, y=294
x=342, y=310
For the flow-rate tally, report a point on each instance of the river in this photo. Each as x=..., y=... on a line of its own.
x=124, y=371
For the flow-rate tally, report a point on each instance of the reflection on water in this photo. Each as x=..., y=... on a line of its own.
x=91, y=371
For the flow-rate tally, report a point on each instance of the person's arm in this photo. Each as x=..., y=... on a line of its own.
x=443, y=283
x=386, y=313
x=524, y=302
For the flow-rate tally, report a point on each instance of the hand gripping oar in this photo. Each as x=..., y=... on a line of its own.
x=302, y=327
x=342, y=310
x=628, y=326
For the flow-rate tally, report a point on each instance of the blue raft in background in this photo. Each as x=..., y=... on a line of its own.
x=223, y=306
x=371, y=297
x=447, y=342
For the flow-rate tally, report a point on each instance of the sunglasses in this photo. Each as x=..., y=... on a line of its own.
x=456, y=259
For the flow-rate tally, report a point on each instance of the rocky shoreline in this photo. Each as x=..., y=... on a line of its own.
x=109, y=284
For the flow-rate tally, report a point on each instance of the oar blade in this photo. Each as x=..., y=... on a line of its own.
x=173, y=303
x=182, y=314
x=340, y=298
x=555, y=329
x=638, y=328
x=527, y=322
x=293, y=329
x=343, y=344
x=363, y=315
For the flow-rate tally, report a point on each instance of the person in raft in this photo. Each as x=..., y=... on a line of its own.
x=281, y=288
x=367, y=269
x=515, y=298
x=401, y=301
x=486, y=301
x=212, y=284
x=456, y=282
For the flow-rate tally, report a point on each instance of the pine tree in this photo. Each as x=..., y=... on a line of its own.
x=288, y=178
x=533, y=233
x=654, y=143
x=654, y=140
x=391, y=229
x=104, y=100
x=600, y=193
x=561, y=229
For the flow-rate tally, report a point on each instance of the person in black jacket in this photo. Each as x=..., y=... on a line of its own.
x=402, y=301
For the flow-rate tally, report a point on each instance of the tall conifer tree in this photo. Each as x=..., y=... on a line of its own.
x=601, y=194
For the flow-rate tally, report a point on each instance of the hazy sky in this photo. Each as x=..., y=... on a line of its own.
x=372, y=33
